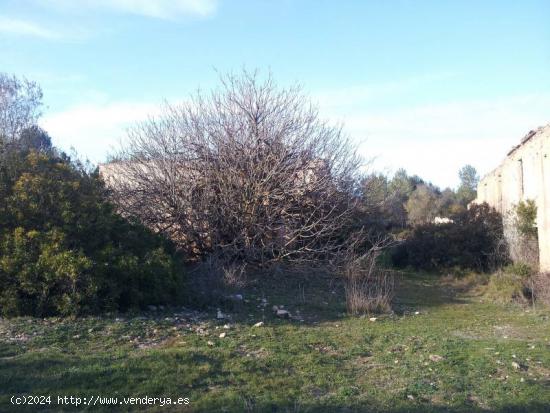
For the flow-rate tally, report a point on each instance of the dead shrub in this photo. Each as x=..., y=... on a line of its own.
x=368, y=291
x=234, y=275
x=368, y=287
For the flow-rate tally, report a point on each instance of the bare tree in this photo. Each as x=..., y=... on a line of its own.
x=20, y=103
x=249, y=171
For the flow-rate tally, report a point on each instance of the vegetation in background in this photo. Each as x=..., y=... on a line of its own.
x=421, y=206
x=459, y=238
x=472, y=241
x=404, y=202
x=467, y=191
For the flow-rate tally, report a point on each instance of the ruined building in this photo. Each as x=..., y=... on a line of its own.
x=523, y=175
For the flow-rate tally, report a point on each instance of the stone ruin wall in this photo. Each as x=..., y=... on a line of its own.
x=524, y=174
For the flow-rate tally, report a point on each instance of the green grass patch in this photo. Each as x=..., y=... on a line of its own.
x=444, y=349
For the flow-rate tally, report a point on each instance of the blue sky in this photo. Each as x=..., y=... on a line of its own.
x=424, y=85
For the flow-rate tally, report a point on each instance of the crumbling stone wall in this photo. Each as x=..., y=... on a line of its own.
x=524, y=174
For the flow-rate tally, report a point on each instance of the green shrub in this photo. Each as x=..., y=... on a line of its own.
x=65, y=251
x=39, y=275
x=472, y=241
x=526, y=218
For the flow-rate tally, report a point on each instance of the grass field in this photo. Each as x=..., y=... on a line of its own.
x=444, y=350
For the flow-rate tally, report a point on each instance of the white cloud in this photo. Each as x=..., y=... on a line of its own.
x=344, y=98
x=162, y=9
x=95, y=129
x=434, y=141
x=25, y=28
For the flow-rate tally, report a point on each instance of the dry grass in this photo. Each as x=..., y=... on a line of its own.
x=518, y=283
x=234, y=275
x=368, y=288
x=506, y=288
